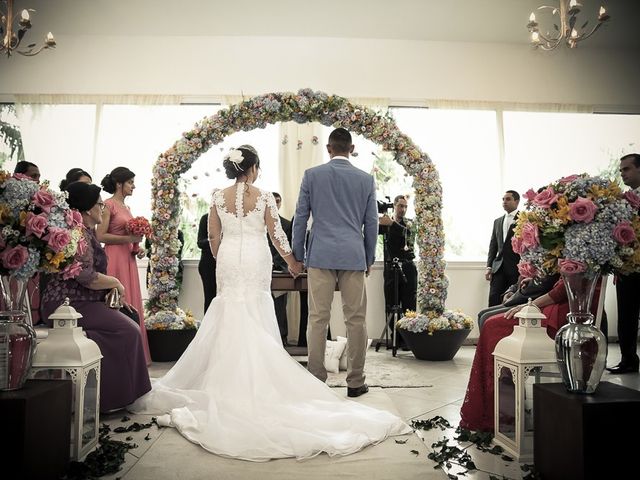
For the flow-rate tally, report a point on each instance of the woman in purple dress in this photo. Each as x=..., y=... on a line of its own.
x=124, y=376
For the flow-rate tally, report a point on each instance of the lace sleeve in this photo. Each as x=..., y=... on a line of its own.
x=272, y=220
x=214, y=226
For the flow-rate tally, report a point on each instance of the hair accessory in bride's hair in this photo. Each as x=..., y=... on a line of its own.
x=235, y=157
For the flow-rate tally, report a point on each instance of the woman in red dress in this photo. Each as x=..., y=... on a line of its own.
x=122, y=247
x=477, y=409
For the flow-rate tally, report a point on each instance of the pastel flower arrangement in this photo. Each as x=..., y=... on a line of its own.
x=304, y=106
x=431, y=321
x=578, y=224
x=38, y=230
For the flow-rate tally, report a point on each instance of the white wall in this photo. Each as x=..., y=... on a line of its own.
x=395, y=69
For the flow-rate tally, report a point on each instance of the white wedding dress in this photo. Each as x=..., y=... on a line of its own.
x=235, y=391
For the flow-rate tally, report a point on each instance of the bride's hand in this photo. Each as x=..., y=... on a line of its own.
x=295, y=269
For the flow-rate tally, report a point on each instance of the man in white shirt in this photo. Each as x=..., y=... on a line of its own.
x=502, y=261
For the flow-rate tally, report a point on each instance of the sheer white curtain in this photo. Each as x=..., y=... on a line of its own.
x=301, y=147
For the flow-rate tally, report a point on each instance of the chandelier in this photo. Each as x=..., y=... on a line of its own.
x=567, y=31
x=11, y=38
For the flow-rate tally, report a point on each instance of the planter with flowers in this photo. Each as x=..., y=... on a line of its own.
x=582, y=227
x=39, y=233
x=434, y=337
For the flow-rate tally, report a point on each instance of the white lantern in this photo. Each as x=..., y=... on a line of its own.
x=67, y=353
x=525, y=357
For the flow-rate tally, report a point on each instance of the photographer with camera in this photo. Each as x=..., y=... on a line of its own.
x=398, y=257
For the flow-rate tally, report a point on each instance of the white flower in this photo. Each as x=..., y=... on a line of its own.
x=235, y=156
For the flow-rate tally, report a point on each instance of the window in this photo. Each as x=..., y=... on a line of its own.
x=463, y=145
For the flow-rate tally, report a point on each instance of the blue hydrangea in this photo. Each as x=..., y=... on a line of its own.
x=591, y=243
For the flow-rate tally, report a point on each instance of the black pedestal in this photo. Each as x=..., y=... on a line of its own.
x=583, y=436
x=36, y=429
x=169, y=345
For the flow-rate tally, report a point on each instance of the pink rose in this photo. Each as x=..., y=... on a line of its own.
x=582, y=210
x=73, y=218
x=530, y=195
x=36, y=224
x=546, y=198
x=623, y=233
x=22, y=176
x=568, y=267
x=516, y=245
x=15, y=257
x=57, y=238
x=44, y=200
x=71, y=271
x=530, y=238
x=633, y=199
x=82, y=246
x=568, y=179
x=527, y=270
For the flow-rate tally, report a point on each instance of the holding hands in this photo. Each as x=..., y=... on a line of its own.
x=295, y=268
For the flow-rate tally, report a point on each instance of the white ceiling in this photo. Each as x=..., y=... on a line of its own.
x=433, y=20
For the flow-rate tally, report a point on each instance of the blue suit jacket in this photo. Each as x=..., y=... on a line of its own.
x=342, y=202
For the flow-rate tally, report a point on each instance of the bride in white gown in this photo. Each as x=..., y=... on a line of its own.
x=235, y=391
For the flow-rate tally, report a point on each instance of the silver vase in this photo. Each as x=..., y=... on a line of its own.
x=17, y=337
x=581, y=348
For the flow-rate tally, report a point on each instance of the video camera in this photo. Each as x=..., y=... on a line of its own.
x=384, y=207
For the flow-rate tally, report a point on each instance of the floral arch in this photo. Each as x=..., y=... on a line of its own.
x=302, y=107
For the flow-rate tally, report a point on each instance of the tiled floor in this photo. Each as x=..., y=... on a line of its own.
x=167, y=455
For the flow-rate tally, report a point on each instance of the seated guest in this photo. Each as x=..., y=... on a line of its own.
x=518, y=294
x=28, y=169
x=124, y=375
x=477, y=410
x=75, y=175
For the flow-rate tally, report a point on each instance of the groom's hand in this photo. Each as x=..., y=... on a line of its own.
x=367, y=272
x=296, y=268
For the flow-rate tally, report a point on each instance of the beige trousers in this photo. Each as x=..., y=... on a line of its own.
x=321, y=284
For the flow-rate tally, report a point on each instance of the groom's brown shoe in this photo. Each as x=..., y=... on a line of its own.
x=357, y=391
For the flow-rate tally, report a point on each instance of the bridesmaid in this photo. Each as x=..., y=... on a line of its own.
x=120, y=246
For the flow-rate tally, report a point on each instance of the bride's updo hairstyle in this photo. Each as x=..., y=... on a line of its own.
x=117, y=175
x=239, y=160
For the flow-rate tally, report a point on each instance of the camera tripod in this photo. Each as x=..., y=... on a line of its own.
x=394, y=312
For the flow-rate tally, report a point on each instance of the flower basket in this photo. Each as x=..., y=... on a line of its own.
x=434, y=337
x=169, y=345
x=438, y=346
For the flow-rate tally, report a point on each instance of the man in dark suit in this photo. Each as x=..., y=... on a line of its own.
x=280, y=298
x=207, y=264
x=502, y=261
x=628, y=286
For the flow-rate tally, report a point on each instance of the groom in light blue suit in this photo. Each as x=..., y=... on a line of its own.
x=341, y=200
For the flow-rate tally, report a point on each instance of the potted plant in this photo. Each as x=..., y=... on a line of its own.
x=433, y=336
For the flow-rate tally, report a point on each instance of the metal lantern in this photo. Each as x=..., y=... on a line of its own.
x=67, y=353
x=524, y=358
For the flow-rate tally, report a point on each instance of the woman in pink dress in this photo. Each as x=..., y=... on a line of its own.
x=122, y=247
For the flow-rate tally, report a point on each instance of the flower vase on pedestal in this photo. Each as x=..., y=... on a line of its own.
x=17, y=337
x=581, y=348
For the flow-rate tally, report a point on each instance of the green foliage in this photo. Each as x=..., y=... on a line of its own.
x=448, y=456
x=10, y=134
x=108, y=458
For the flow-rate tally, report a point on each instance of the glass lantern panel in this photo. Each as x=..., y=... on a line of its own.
x=506, y=403
x=59, y=374
x=89, y=412
x=537, y=374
